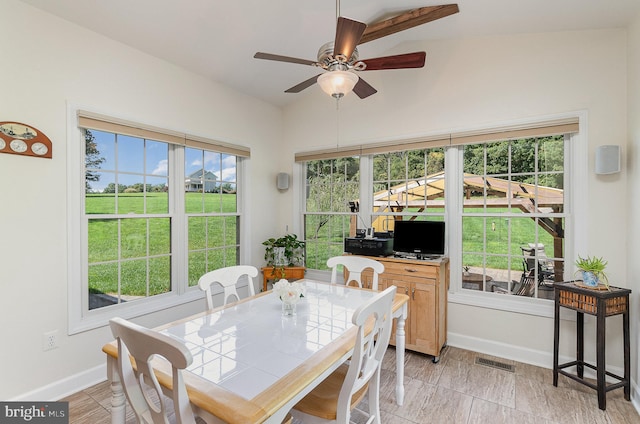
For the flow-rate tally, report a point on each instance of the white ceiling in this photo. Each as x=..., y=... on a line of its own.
x=217, y=39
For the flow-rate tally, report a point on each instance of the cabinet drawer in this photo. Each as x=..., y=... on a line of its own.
x=411, y=270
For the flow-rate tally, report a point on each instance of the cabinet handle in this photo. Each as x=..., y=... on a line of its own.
x=406, y=291
x=411, y=270
x=413, y=294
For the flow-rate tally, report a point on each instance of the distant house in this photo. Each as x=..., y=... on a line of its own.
x=195, y=181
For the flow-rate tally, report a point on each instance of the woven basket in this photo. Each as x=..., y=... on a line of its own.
x=589, y=304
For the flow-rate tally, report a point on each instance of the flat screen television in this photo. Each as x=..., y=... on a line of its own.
x=419, y=238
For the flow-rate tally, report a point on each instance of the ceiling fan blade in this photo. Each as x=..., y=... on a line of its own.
x=363, y=89
x=348, y=33
x=407, y=20
x=278, y=58
x=304, y=84
x=400, y=61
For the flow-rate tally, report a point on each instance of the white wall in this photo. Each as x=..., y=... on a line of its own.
x=479, y=82
x=632, y=163
x=47, y=64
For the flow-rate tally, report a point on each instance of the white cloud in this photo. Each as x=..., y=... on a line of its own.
x=162, y=168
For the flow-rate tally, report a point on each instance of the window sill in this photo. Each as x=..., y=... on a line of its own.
x=100, y=317
x=508, y=303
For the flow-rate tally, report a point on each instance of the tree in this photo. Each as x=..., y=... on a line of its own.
x=92, y=159
x=331, y=185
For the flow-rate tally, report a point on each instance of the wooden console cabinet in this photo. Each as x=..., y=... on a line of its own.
x=288, y=272
x=426, y=282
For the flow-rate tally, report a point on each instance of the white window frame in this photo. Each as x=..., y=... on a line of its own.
x=80, y=318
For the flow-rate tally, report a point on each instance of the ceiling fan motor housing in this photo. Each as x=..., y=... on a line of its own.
x=329, y=62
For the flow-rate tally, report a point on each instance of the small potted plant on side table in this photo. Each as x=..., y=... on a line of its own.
x=592, y=269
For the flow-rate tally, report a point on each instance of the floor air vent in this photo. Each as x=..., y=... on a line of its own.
x=494, y=364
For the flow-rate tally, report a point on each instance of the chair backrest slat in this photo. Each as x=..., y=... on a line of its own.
x=228, y=278
x=355, y=265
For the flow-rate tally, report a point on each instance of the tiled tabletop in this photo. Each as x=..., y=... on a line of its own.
x=248, y=346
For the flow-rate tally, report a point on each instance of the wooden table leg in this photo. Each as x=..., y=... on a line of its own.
x=118, y=399
x=400, y=343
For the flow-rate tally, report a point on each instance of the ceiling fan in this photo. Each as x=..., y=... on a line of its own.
x=339, y=58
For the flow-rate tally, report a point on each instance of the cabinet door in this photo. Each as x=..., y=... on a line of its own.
x=424, y=316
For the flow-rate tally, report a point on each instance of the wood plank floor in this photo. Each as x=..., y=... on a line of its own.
x=455, y=390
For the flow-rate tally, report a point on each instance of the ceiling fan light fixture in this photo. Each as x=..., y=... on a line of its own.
x=337, y=83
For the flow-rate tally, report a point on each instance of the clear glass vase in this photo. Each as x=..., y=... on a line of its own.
x=288, y=309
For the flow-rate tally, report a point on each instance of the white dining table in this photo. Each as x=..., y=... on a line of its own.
x=251, y=364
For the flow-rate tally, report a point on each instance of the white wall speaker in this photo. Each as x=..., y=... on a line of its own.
x=282, y=181
x=607, y=159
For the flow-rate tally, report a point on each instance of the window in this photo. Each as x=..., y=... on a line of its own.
x=154, y=212
x=332, y=193
x=513, y=216
x=212, y=211
x=128, y=224
x=505, y=194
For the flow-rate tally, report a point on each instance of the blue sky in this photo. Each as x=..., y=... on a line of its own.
x=133, y=167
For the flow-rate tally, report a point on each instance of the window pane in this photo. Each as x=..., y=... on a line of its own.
x=133, y=279
x=103, y=285
x=159, y=275
x=325, y=238
x=211, y=189
x=157, y=195
x=159, y=236
x=157, y=158
x=197, y=233
x=132, y=199
x=133, y=233
x=103, y=240
x=100, y=193
x=130, y=156
x=197, y=266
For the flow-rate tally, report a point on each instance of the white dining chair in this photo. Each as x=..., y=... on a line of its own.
x=141, y=386
x=355, y=266
x=334, y=399
x=228, y=278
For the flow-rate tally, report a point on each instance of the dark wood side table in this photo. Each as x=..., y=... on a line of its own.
x=290, y=273
x=602, y=304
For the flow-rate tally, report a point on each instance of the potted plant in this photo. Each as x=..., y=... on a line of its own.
x=592, y=269
x=283, y=251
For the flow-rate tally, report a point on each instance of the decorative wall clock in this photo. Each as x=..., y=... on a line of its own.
x=22, y=139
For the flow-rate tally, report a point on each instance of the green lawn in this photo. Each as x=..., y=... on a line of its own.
x=137, y=250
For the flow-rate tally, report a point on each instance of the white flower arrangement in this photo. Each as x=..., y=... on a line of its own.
x=288, y=292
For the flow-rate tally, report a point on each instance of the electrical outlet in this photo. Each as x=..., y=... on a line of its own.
x=50, y=340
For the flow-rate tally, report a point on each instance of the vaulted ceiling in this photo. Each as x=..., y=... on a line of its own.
x=217, y=39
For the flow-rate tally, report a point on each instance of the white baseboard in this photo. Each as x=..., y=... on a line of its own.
x=539, y=358
x=65, y=387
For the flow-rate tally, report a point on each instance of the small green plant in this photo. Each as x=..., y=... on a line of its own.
x=594, y=265
x=283, y=251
